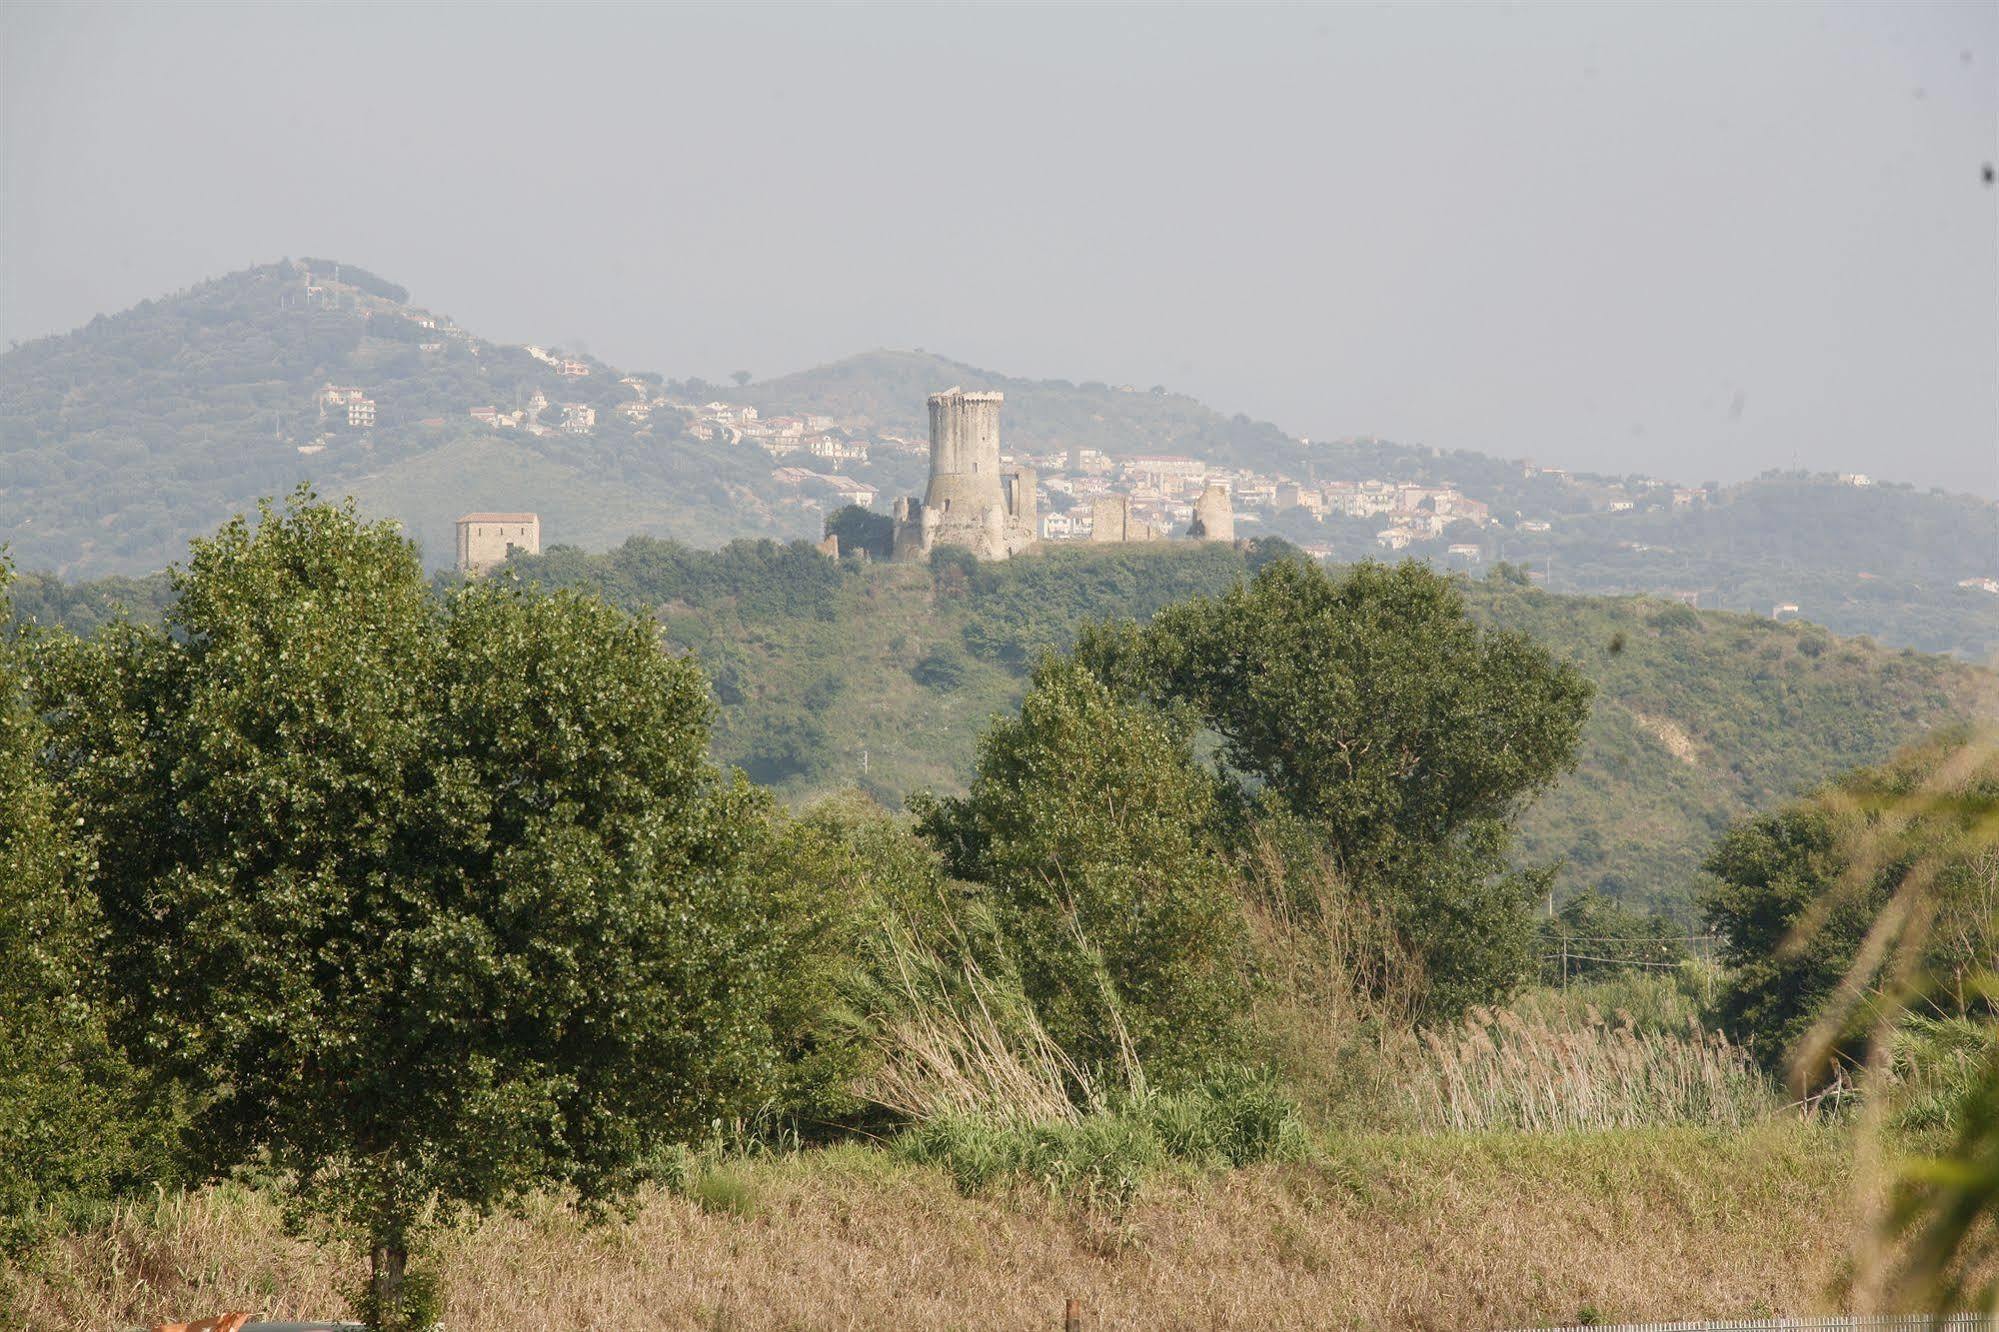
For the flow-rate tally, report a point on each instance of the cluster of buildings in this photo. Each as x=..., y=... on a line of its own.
x=814, y=435
x=349, y=403
x=1166, y=493
x=569, y=418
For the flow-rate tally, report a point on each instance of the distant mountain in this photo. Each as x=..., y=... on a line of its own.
x=122, y=439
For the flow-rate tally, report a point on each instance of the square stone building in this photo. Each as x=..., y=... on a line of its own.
x=486, y=539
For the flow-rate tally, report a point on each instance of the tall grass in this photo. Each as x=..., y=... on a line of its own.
x=1339, y=991
x=1499, y=1070
x=954, y=1042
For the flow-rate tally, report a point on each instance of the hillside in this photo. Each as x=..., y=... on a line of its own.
x=1879, y=559
x=885, y=676
x=120, y=440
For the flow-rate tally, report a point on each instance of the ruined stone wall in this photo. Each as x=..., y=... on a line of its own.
x=1214, y=517
x=1110, y=515
x=1023, y=519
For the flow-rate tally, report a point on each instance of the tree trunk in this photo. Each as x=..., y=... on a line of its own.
x=386, y=1265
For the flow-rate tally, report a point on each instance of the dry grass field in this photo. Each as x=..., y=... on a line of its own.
x=1465, y=1231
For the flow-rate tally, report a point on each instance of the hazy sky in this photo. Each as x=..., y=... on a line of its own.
x=1694, y=240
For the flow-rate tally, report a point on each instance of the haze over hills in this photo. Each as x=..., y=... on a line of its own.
x=123, y=438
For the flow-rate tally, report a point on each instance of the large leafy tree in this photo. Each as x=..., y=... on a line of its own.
x=430, y=903
x=75, y=1125
x=1091, y=824
x=1372, y=707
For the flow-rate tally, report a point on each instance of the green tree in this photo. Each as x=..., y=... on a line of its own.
x=1796, y=895
x=1374, y=707
x=431, y=903
x=76, y=1125
x=1089, y=821
x=861, y=531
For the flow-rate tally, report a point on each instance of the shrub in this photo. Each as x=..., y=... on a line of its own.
x=1882, y=854
x=1089, y=823
x=1103, y=1158
x=1371, y=707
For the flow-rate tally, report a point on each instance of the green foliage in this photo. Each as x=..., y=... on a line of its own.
x=812, y=666
x=756, y=580
x=78, y=1123
x=829, y=879
x=1375, y=709
x=1795, y=894
x=1102, y=1159
x=862, y=532
x=943, y=668
x=1089, y=821
x=83, y=608
x=432, y=904
x=1593, y=937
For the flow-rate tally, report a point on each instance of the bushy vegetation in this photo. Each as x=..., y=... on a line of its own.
x=884, y=677
x=1821, y=896
x=79, y=1122
x=1395, y=731
x=1092, y=826
x=410, y=901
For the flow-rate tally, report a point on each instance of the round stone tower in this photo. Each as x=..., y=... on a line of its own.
x=965, y=492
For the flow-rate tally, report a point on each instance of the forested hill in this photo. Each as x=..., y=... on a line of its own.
x=122, y=439
x=886, y=675
x=830, y=674
x=840, y=673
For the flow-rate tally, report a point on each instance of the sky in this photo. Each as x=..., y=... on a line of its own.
x=1696, y=241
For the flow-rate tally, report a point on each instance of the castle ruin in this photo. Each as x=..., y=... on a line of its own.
x=972, y=500
x=1111, y=522
x=1214, y=519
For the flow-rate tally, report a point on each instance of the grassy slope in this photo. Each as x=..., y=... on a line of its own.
x=1375, y=1231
